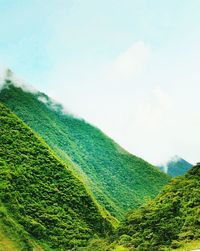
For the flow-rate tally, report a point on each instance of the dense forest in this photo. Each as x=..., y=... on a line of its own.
x=169, y=222
x=64, y=185
x=173, y=217
x=39, y=196
x=118, y=180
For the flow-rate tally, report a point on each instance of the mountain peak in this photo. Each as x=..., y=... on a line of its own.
x=174, y=158
x=175, y=166
x=8, y=78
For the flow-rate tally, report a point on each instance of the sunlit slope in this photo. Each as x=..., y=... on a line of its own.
x=118, y=180
x=40, y=199
x=170, y=220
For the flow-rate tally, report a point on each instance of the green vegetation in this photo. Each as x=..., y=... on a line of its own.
x=13, y=237
x=189, y=246
x=42, y=204
x=176, y=167
x=45, y=206
x=118, y=180
x=168, y=221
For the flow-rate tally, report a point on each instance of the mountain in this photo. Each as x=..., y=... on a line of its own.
x=42, y=204
x=176, y=166
x=168, y=221
x=117, y=180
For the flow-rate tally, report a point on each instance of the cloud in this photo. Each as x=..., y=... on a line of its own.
x=43, y=99
x=129, y=63
x=150, y=128
x=152, y=111
x=6, y=73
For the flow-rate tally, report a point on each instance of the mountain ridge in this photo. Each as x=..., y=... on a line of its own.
x=118, y=180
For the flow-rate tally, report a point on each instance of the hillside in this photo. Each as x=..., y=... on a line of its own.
x=170, y=220
x=41, y=202
x=118, y=180
x=176, y=166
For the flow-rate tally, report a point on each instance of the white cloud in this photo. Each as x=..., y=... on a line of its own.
x=43, y=99
x=150, y=130
x=129, y=63
x=17, y=81
x=152, y=112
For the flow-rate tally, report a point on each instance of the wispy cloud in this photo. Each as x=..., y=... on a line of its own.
x=129, y=63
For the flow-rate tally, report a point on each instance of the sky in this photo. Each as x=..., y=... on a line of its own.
x=129, y=67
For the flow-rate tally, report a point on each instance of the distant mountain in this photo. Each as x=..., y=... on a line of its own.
x=176, y=166
x=170, y=220
x=116, y=179
x=42, y=204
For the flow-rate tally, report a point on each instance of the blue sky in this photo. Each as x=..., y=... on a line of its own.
x=129, y=67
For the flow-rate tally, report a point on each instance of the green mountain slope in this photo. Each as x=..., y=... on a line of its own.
x=170, y=219
x=118, y=180
x=176, y=166
x=40, y=199
x=13, y=236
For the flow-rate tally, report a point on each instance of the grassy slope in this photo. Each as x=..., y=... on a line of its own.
x=39, y=197
x=169, y=220
x=118, y=180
